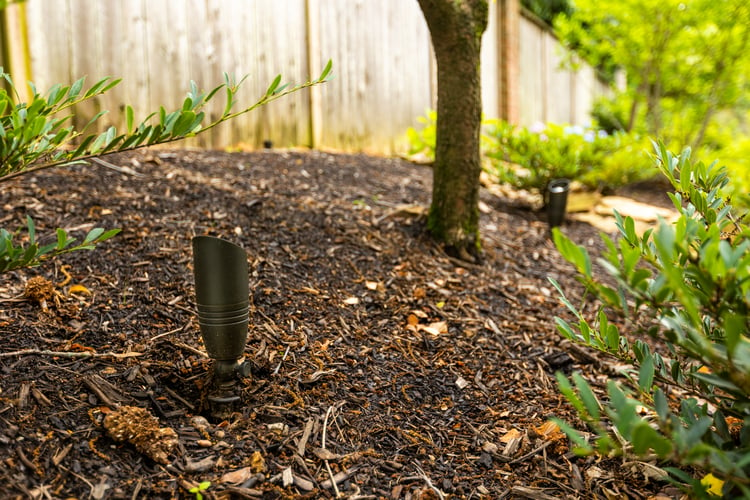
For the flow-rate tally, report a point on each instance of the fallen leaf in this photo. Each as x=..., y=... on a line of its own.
x=79, y=289
x=550, y=431
x=238, y=476
x=595, y=473
x=419, y=313
x=317, y=376
x=510, y=436
x=324, y=454
x=436, y=328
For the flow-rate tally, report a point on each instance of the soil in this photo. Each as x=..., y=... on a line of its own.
x=380, y=366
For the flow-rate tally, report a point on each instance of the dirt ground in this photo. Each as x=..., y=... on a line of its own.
x=381, y=368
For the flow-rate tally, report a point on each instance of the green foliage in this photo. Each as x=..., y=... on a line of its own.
x=546, y=152
x=546, y=10
x=530, y=157
x=198, y=490
x=687, y=286
x=422, y=141
x=611, y=113
x=15, y=255
x=36, y=135
x=685, y=61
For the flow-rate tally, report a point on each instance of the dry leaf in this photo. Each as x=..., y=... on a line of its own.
x=512, y=440
x=510, y=436
x=550, y=431
x=238, y=476
x=351, y=301
x=595, y=473
x=317, y=376
x=79, y=289
x=371, y=285
x=324, y=454
x=436, y=328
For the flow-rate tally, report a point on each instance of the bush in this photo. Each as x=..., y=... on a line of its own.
x=611, y=113
x=686, y=286
x=544, y=152
x=423, y=141
x=530, y=158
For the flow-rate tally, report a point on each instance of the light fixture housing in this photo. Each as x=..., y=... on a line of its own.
x=223, y=305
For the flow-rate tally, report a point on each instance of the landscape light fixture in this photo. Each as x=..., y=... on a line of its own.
x=222, y=300
x=557, y=200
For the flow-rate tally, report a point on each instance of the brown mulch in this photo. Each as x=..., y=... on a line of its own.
x=382, y=368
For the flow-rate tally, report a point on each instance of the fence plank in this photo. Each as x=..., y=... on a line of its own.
x=532, y=74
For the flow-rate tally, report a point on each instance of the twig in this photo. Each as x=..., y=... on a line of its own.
x=190, y=348
x=531, y=453
x=323, y=445
x=283, y=358
x=117, y=168
x=182, y=400
x=18, y=298
x=68, y=354
x=428, y=482
x=170, y=332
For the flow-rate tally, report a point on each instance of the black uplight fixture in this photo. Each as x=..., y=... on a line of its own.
x=222, y=300
x=557, y=201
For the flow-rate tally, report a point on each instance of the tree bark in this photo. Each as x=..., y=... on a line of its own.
x=456, y=28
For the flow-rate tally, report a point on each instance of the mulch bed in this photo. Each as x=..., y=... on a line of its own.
x=381, y=367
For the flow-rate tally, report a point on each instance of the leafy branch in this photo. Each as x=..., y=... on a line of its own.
x=34, y=137
x=16, y=256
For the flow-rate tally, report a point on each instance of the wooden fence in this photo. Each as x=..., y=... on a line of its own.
x=383, y=65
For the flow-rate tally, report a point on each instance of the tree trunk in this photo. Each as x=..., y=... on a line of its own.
x=456, y=28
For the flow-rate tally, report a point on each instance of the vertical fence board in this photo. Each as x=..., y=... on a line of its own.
x=490, y=65
x=587, y=89
x=532, y=73
x=49, y=42
x=558, y=89
x=382, y=65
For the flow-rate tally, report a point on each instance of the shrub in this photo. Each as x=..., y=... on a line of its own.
x=545, y=152
x=686, y=286
x=423, y=141
x=36, y=136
